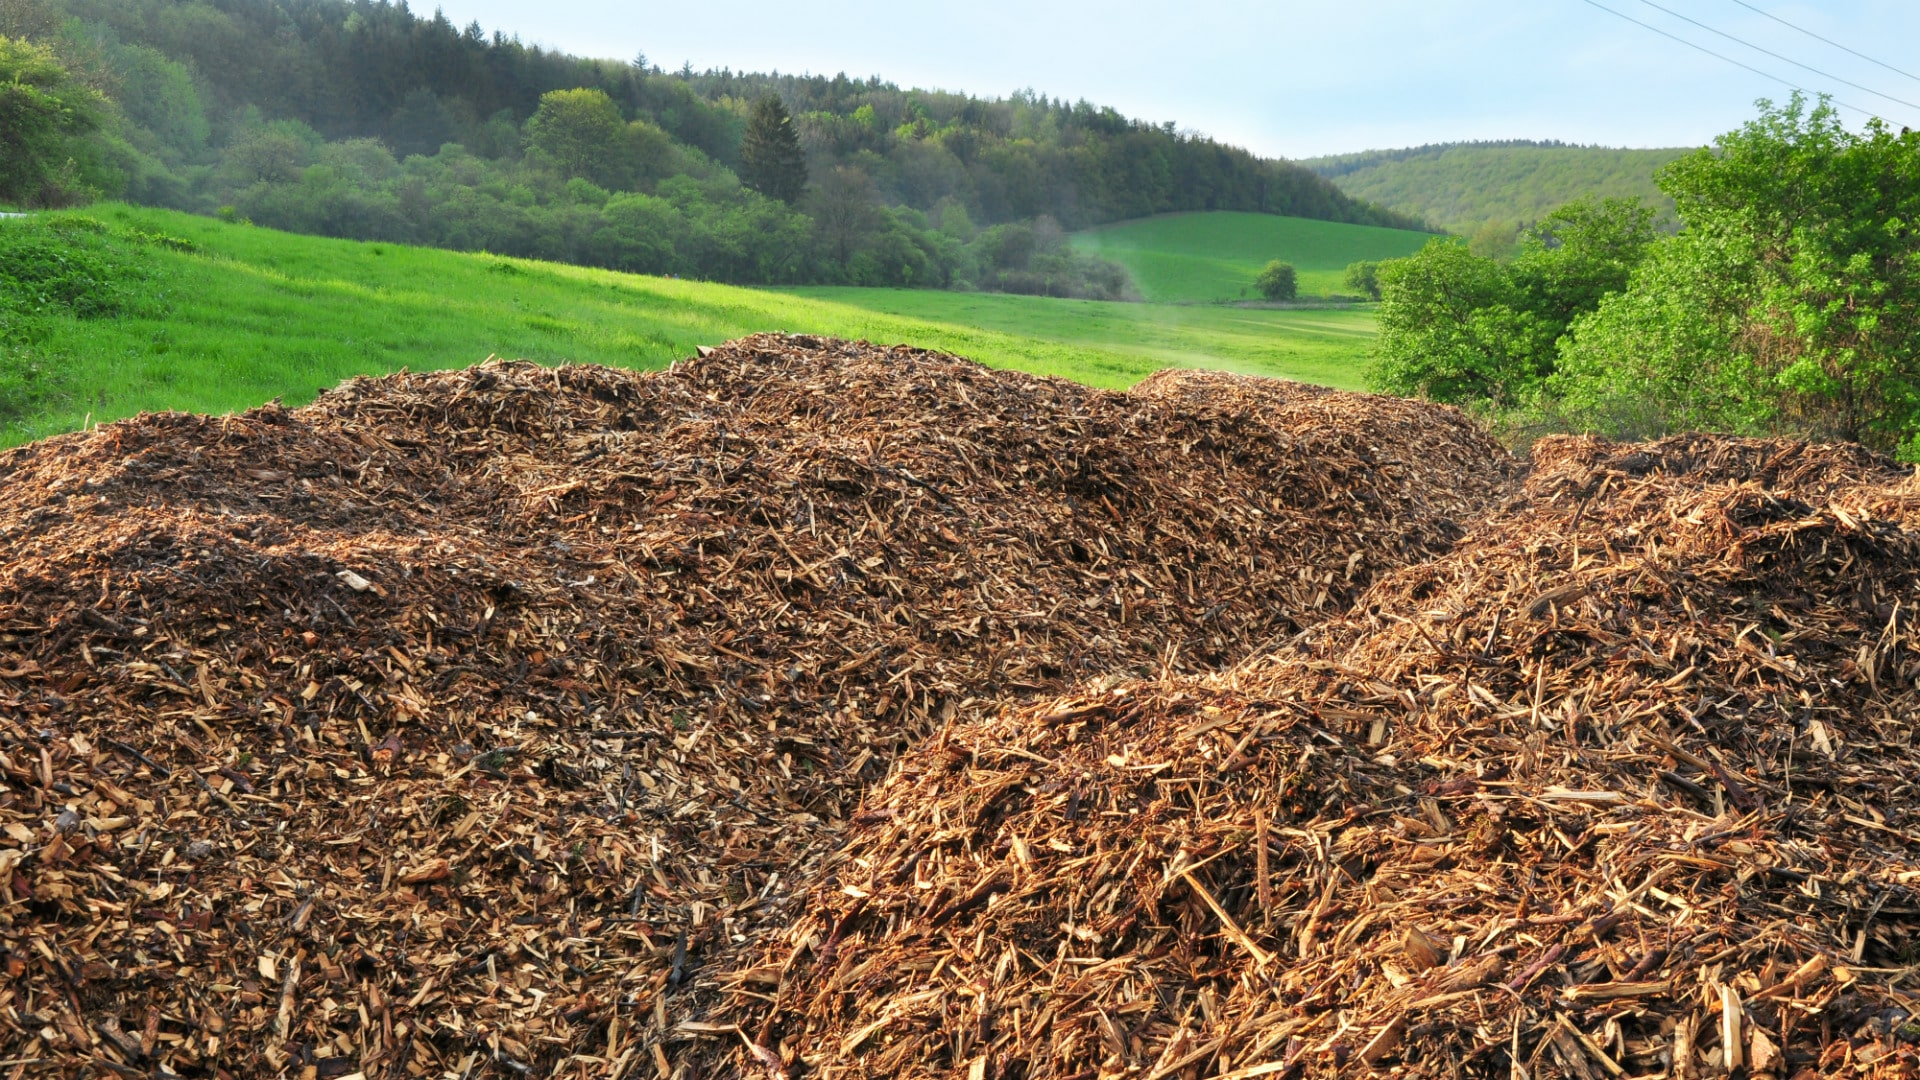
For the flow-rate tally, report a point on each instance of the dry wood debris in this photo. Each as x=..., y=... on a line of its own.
x=462, y=724
x=1622, y=786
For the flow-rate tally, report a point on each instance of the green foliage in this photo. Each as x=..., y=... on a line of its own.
x=161, y=102
x=845, y=209
x=1278, y=281
x=581, y=130
x=1790, y=302
x=264, y=314
x=44, y=113
x=1463, y=328
x=1449, y=331
x=1496, y=240
x=28, y=18
x=1462, y=186
x=1575, y=256
x=771, y=161
x=1216, y=256
x=1364, y=278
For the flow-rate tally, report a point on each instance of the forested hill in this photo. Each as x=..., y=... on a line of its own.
x=1463, y=186
x=360, y=118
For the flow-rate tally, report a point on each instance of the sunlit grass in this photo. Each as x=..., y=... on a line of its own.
x=256, y=315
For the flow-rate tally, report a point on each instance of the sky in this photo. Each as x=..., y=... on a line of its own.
x=1289, y=78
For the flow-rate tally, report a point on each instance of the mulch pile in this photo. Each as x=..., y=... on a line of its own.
x=1622, y=786
x=463, y=724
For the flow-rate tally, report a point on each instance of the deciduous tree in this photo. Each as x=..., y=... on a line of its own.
x=1465, y=328
x=1364, y=277
x=1278, y=281
x=845, y=211
x=44, y=112
x=582, y=131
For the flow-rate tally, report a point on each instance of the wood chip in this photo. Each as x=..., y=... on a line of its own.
x=497, y=705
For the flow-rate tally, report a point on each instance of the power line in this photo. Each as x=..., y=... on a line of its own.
x=1788, y=83
x=1829, y=41
x=1777, y=56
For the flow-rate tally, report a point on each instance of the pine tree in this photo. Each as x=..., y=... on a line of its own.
x=771, y=161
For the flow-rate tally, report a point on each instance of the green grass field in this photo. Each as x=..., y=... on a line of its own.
x=1117, y=344
x=255, y=315
x=1216, y=256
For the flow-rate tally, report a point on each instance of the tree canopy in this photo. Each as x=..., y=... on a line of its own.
x=363, y=119
x=44, y=111
x=1466, y=187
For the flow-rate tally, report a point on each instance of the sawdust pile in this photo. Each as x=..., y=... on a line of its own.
x=1621, y=786
x=453, y=723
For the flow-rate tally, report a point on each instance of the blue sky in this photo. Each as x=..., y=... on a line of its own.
x=1286, y=77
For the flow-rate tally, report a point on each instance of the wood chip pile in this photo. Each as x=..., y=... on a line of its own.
x=1623, y=786
x=456, y=724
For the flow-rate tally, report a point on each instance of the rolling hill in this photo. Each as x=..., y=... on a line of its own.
x=219, y=317
x=1215, y=256
x=1460, y=186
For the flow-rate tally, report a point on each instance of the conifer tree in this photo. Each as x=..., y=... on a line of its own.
x=771, y=161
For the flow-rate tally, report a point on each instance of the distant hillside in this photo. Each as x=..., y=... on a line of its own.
x=1217, y=256
x=363, y=119
x=1461, y=186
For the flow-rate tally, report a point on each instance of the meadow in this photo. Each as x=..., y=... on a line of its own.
x=1215, y=256
x=250, y=315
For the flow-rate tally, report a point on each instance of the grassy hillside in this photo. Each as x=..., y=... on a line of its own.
x=1215, y=256
x=1460, y=186
x=252, y=314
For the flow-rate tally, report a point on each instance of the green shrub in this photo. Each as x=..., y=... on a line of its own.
x=1468, y=329
x=1278, y=281
x=155, y=239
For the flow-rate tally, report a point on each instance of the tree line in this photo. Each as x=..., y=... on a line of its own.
x=1788, y=301
x=361, y=119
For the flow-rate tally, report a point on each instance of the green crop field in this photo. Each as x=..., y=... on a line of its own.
x=1215, y=256
x=252, y=315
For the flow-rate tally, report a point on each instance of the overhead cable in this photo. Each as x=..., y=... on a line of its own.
x=1777, y=56
x=1827, y=40
x=1788, y=83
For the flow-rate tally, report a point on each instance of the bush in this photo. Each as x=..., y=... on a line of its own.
x=1790, y=303
x=1364, y=278
x=1278, y=281
x=1450, y=331
x=1467, y=329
